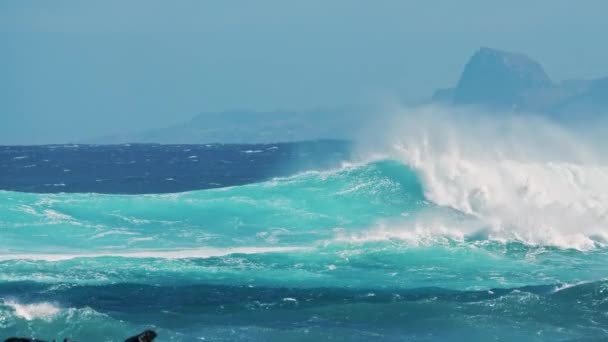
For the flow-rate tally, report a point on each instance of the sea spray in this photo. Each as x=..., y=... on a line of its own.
x=530, y=179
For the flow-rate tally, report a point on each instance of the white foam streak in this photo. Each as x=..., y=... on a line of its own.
x=412, y=235
x=424, y=229
x=154, y=254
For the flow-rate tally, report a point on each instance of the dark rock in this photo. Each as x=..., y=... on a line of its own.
x=146, y=336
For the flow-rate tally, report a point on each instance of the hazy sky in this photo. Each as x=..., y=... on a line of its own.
x=76, y=69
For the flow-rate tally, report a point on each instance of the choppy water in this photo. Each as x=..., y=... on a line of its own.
x=383, y=250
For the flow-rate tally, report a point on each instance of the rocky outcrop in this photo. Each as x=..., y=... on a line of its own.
x=498, y=78
x=146, y=336
x=505, y=80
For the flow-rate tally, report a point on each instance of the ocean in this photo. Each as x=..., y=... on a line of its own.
x=300, y=242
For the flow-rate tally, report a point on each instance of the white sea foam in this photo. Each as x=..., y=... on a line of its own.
x=423, y=229
x=44, y=310
x=570, y=285
x=52, y=216
x=154, y=254
x=322, y=174
x=112, y=232
x=56, y=217
x=528, y=179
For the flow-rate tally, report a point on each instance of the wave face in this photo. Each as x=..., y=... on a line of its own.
x=439, y=239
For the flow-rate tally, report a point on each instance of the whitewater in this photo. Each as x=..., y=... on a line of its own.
x=443, y=226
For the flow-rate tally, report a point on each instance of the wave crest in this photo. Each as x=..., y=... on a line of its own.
x=528, y=179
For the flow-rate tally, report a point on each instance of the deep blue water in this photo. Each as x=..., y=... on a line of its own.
x=154, y=168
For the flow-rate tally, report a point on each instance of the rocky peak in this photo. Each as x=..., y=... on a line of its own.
x=499, y=78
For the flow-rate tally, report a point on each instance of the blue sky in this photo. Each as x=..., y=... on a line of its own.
x=70, y=70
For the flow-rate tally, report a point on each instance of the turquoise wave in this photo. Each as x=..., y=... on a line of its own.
x=357, y=253
x=289, y=211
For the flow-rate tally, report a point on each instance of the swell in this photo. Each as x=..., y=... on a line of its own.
x=205, y=309
x=394, y=263
x=111, y=297
x=290, y=211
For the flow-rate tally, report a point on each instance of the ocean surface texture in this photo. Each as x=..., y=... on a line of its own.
x=299, y=242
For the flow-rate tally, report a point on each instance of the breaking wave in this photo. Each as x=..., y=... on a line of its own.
x=529, y=179
x=477, y=223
